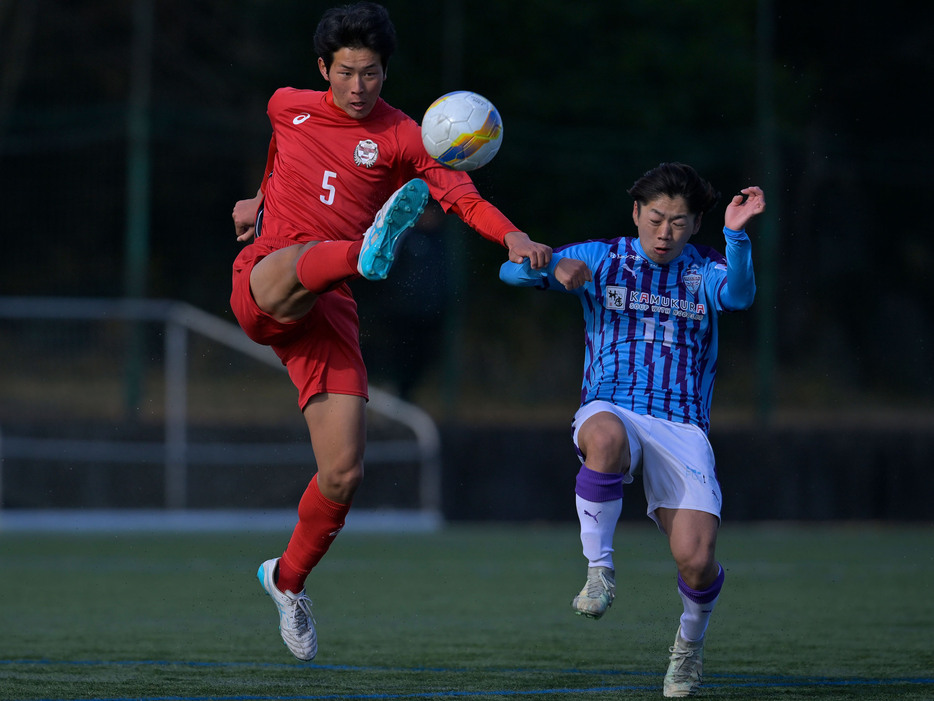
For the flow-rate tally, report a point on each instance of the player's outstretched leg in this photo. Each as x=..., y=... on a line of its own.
x=400, y=213
x=296, y=624
x=685, y=667
x=598, y=593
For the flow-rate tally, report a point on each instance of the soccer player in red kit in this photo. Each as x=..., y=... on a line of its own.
x=346, y=176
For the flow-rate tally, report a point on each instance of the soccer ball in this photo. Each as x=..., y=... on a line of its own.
x=462, y=130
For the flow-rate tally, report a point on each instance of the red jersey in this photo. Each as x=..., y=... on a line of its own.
x=327, y=174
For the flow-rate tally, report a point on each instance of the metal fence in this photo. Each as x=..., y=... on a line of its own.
x=176, y=451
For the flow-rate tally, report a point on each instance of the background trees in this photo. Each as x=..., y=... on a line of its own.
x=592, y=94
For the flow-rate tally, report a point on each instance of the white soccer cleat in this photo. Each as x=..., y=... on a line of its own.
x=394, y=218
x=598, y=593
x=296, y=624
x=685, y=668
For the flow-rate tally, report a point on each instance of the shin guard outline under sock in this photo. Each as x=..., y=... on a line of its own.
x=319, y=522
x=328, y=264
x=599, y=501
x=698, y=606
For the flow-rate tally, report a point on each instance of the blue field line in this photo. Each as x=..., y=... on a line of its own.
x=450, y=670
x=653, y=687
x=377, y=697
x=711, y=681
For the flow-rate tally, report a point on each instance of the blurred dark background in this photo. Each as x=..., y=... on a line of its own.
x=128, y=130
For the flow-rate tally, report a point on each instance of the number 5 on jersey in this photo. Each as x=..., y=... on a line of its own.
x=329, y=189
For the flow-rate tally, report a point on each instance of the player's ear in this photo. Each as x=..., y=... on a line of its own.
x=635, y=213
x=697, y=221
x=322, y=67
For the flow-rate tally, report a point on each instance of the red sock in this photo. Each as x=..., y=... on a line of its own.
x=319, y=522
x=327, y=264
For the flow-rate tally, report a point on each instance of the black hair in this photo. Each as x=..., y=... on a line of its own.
x=362, y=25
x=675, y=180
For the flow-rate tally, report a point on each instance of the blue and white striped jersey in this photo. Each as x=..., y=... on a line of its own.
x=651, y=329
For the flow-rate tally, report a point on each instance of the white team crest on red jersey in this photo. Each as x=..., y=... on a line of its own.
x=366, y=153
x=691, y=279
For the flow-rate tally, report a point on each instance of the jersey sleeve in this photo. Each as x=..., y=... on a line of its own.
x=453, y=190
x=740, y=288
x=270, y=159
x=483, y=217
x=276, y=102
x=522, y=274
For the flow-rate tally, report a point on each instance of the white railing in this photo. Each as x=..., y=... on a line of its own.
x=176, y=451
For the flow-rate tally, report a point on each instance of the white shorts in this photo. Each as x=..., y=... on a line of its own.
x=676, y=461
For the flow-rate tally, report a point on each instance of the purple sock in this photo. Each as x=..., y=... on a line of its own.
x=705, y=596
x=598, y=486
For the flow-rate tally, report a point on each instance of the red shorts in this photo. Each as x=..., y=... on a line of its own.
x=322, y=350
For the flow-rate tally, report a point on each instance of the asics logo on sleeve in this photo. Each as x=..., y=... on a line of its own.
x=301, y=118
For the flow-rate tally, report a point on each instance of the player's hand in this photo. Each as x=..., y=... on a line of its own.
x=244, y=217
x=747, y=204
x=572, y=273
x=521, y=247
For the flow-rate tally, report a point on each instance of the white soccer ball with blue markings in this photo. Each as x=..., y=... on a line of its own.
x=462, y=130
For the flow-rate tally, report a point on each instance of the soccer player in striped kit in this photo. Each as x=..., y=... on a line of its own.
x=651, y=305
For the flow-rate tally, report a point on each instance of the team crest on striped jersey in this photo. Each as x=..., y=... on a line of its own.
x=691, y=279
x=366, y=153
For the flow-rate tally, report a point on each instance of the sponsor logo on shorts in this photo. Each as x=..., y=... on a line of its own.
x=696, y=474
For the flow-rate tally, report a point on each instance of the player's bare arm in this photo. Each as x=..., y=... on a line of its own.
x=572, y=273
x=521, y=247
x=244, y=217
x=749, y=203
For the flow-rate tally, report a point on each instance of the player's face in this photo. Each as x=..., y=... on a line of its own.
x=356, y=79
x=665, y=225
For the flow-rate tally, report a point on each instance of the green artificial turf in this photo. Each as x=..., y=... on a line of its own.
x=807, y=612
